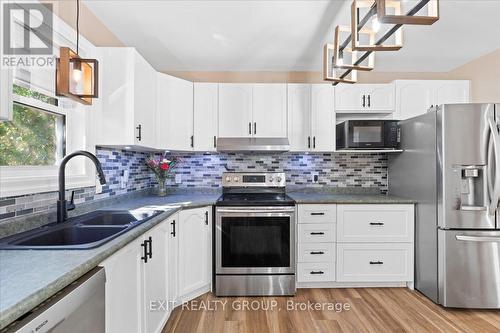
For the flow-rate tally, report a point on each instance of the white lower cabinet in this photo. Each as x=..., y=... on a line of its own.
x=389, y=262
x=141, y=293
x=355, y=245
x=316, y=244
x=195, y=252
x=124, y=289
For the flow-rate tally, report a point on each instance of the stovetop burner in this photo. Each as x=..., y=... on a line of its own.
x=254, y=189
x=255, y=199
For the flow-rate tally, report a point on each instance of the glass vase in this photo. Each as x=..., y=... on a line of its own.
x=162, y=190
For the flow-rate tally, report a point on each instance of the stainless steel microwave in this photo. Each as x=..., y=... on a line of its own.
x=368, y=134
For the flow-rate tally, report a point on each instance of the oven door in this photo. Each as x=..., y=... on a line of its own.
x=366, y=134
x=255, y=240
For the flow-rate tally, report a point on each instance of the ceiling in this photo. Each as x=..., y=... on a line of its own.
x=282, y=35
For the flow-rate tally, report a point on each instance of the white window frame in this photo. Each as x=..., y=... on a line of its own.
x=21, y=180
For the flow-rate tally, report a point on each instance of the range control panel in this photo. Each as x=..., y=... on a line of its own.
x=253, y=179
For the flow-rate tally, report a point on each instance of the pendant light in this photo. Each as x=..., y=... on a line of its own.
x=432, y=15
x=76, y=78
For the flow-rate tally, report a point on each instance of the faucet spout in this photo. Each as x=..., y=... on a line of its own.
x=62, y=212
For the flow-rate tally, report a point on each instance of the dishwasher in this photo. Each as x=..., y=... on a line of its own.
x=77, y=308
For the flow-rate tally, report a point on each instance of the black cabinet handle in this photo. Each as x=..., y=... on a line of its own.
x=145, y=249
x=139, y=132
x=317, y=233
x=249, y=128
x=376, y=262
x=369, y=100
x=314, y=142
x=364, y=100
x=206, y=217
x=192, y=141
x=315, y=214
x=317, y=272
x=317, y=252
x=215, y=141
x=173, y=228
x=150, y=251
x=376, y=223
x=254, y=128
x=308, y=142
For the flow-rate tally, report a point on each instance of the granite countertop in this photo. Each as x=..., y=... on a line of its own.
x=308, y=197
x=28, y=277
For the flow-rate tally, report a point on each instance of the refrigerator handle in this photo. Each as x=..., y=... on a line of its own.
x=478, y=238
x=493, y=149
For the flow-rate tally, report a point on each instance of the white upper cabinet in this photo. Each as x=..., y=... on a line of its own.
x=376, y=98
x=451, y=92
x=206, y=105
x=128, y=90
x=174, y=113
x=415, y=97
x=412, y=98
x=252, y=110
x=145, y=101
x=299, y=116
x=269, y=110
x=235, y=110
x=322, y=117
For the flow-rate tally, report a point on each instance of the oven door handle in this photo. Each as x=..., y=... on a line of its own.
x=258, y=211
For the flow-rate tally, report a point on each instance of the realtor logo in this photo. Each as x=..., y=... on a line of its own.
x=27, y=29
x=27, y=35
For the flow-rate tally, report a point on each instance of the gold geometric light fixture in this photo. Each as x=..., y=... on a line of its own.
x=385, y=16
x=76, y=78
x=332, y=73
x=344, y=57
x=341, y=62
x=360, y=45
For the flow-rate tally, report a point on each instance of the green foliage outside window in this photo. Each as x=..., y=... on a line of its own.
x=34, y=136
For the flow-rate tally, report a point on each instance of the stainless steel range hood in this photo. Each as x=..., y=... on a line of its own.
x=253, y=144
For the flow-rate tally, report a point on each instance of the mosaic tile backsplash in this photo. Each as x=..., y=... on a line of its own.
x=205, y=170
x=337, y=170
x=113, y=163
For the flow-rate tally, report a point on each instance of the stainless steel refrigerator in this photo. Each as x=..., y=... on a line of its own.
x=451, y=166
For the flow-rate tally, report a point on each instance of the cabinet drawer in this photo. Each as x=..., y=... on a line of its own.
x=316, y=252
x=317, y=213
x=317, y=233
x=375, y=223
x=374, y=262
x=315, y=272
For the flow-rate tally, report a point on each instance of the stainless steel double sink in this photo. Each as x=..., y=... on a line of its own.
x=82, y=232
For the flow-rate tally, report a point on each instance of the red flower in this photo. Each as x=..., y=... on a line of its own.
x=164, y=166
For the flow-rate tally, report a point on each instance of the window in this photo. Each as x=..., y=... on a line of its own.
x=34, y=136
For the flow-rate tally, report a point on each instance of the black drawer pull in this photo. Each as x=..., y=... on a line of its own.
x=376, y=262
x=145, y=247
x=317, y=272
x=376, y=223
x=317, y=214
x=150, y=252
x=317, y=233
x=173, y=228
x=139, y=134
x=317, y=252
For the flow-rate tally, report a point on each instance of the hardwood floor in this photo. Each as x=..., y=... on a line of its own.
x=370, y=310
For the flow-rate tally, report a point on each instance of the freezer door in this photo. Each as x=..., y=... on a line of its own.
x=468, y=150
x=469, y=268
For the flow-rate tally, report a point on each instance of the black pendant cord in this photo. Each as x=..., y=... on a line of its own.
x=77, y=26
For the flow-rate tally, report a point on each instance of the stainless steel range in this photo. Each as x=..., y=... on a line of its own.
x=254, y=236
